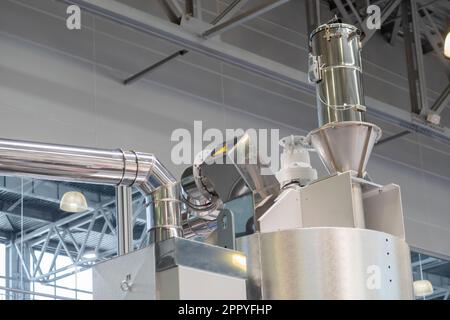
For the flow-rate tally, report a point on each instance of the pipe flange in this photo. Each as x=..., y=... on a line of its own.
x=130, y=168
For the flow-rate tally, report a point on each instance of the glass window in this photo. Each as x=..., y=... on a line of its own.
x=2, y=270
x=53, y=247
x=436, y=271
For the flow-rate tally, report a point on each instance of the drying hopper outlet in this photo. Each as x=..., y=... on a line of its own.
x=345, y=146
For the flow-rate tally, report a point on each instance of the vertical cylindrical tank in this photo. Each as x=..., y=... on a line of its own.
x=327, y=263
x=335, y=66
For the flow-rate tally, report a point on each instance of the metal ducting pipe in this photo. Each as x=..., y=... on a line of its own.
x=90, y=165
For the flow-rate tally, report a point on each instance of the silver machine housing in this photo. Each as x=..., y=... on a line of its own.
x=340, y=237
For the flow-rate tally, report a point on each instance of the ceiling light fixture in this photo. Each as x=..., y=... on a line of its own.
x=422, y=288
x=73, y=201
x=90, y=255
x=447, y=45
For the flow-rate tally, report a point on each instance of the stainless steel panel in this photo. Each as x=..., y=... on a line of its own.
x=138, y=275
x=182, y=252
x=328, y=203
x=383, y=210
x=334, y=263
x=251, y=246
x=131, y=276
x=358, y=207
x=186, y=283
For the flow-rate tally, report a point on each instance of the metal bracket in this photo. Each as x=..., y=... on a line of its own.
x=395, y=136
x=314, y=70
x=226, y=230
x=140, y=74
x=126, y=284
x=243, y=17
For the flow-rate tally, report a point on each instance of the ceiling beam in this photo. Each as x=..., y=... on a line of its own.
x=343, y=11
x=172, y=10
x=396, y=27
x=312, y=11
x=442, y=101
x=243, y=17
x=388, y=9
x=45, y=217
x=243, y=59
x=231, y=10
x=414, y=58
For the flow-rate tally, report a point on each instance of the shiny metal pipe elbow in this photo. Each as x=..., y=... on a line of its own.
x=151, y=173
x=101, y=166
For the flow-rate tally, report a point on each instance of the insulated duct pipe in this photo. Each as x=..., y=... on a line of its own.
x=99, y=166
x=90, y=165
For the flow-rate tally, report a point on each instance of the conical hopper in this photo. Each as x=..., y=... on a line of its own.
x=345, y=146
